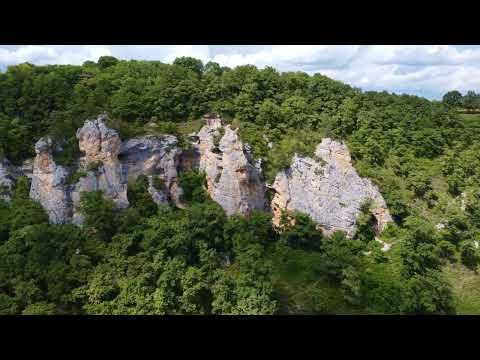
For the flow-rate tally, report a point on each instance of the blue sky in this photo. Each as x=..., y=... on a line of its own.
x=424, y=70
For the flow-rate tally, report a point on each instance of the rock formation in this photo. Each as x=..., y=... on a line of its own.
x=48, y=184
x=6, y=180
x=328, y=189
x=101, y=146
x=234, y=180
x=154, y=157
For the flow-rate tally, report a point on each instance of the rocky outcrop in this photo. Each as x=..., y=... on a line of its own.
x=234, y=179
x=26, y=169
x=157, y=158
x=328, y=189
x=6, y=180
x=48, y=184
x=101, y=146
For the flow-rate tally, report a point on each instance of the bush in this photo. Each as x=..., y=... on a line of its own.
x=193, y=183
x=469, y=255
x=303, y=234
x=94, y=166
x=158, y=183
x=75, y=177
x=140, y=198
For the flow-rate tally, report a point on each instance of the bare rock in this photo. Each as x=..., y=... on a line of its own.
x=26, y=169
x=101, y=146
x=234, y=179
x=48, y=184
x=154, y=157
x=98, y=142
x=6, y=180
x=328, y=189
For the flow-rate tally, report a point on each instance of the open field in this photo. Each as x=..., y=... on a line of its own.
x=466, y=288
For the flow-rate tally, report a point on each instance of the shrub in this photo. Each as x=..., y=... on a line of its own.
x=192, y=183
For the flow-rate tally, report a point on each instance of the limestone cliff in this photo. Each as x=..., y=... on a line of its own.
x=48, y=185
x=234, y=180
x=154, y=157
x=108, y=165
x=6, y=180
x=101, y=146
x=328, y=189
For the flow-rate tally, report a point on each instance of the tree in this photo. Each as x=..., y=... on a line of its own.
x=469, y=255
x=105, y=62
x=452, y=98
x=470, y=100
x=140, y=198
x=418, y=248
x=41, y=308
x=190, y=63
x=100, y=214
x=192, y=183
x=428, y=294
x=339, y=253
x=303, y=234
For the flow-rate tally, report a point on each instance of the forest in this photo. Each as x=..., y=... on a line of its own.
x=423, y=155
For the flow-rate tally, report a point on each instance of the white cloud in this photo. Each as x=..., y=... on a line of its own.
x=261, y=59
x=311, y=56
x=426, y=70
x=51, y=54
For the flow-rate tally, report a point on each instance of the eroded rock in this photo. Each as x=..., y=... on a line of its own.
x=48, y=184
x=328, y=189
x=155, y=157
x=101, y=146
x=6, y=180
x=234, y=179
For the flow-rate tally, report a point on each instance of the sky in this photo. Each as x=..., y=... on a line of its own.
x=424, y=70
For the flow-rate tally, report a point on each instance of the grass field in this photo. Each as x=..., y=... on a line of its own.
x=466, y=288
x=471, y=120
x=302, y=289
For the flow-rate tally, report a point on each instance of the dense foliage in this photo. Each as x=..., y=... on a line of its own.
x=163, y=260
x=470, y=101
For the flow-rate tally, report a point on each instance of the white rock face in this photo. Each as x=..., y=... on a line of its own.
x=48, y=184
x=101, y=145
x=154, y=156
x=234, y=180
x=6, y=180
x=116, y=164
x=328, y=189
x=26, y=169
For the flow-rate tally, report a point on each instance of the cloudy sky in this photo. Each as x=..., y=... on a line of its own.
x=424, y=70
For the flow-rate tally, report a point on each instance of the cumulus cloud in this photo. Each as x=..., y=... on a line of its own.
x=425, y=70
x=52, y=54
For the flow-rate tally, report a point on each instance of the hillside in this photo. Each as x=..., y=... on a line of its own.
x=177, y=211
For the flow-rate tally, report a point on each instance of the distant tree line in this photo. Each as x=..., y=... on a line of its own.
x=470, y=101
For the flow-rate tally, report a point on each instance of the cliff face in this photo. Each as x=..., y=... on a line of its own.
x=154, y=157
x=48, y=184
x=234, y=180
x=108, y=165
x=328, y=189
x=6, y=180
x=101, y=146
